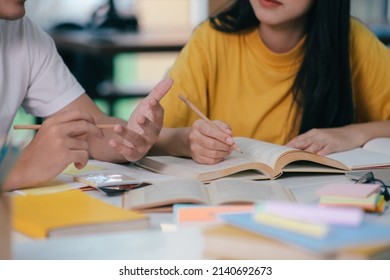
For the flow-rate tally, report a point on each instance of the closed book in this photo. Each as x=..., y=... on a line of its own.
x=379, y=251
x=71, y=213
x=229, y=242
x=339, y=237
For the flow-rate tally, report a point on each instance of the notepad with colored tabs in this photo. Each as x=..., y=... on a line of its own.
x=71, y=213
x=369, y=203
x=365, y=196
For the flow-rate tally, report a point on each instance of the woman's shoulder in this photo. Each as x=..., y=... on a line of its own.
x=361, y=33
x=207, y=33
x=364, y=44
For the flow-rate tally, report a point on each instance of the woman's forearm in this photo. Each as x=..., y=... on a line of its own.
x=172, y=141
x=370, y=130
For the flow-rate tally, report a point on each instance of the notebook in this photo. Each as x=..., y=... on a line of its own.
x=71, y=213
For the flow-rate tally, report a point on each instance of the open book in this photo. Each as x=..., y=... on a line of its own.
x=271, y=160
x=218, y=192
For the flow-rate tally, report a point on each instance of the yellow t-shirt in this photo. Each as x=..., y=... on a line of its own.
x=235, y=78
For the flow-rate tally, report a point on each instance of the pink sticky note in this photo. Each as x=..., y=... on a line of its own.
x=349, y=190
x=350, y=216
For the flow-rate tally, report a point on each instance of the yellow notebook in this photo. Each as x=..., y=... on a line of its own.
x=71, y=213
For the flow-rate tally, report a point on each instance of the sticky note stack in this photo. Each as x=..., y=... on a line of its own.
x=310, y=220
x=364, y=196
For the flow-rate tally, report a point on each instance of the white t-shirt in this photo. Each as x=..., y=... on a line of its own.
x=32, y=74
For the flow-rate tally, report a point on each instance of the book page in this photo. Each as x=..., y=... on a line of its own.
x=186, y=167
x=228, y=190
x=166, y=193
x=260, y=151
x=360, y=158
x=379, y=145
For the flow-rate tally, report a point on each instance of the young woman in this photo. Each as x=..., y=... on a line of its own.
x=301, y=73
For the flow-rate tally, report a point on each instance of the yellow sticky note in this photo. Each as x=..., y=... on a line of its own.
x=310, y=229
x=50, y=187
x=72, y=170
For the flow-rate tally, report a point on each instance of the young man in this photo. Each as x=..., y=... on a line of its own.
x=33, y=75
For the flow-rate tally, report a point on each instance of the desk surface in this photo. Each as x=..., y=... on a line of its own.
x=165, y=240
x=113, y=42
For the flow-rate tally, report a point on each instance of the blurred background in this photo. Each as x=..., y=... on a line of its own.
x=108, y=44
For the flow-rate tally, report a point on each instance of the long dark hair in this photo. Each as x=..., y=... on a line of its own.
x=322, y=87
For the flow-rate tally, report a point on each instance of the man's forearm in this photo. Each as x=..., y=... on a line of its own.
x=99, y=147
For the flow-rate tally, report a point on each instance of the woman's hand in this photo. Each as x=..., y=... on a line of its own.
x=208, y=144
x=328, y=140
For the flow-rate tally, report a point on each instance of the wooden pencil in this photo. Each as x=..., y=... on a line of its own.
x=203, y=117
x=38, y=126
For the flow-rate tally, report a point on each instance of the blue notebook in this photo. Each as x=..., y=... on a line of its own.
x=338, y=237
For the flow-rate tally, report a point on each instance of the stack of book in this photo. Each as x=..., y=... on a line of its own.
x=297, y=231
x=364, y=196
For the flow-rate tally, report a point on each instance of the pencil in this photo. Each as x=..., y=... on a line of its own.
x=203, y=117
x=38, y=126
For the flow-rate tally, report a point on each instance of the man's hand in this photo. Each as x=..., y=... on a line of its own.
x=144, y=125
x=60, y=141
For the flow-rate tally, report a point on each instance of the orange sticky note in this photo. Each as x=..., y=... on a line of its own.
x=208, y=213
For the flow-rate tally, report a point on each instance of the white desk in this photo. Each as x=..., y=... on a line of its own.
x=184, y=243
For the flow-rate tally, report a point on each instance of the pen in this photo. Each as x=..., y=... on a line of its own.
x=203, y=117
x=37, y=126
